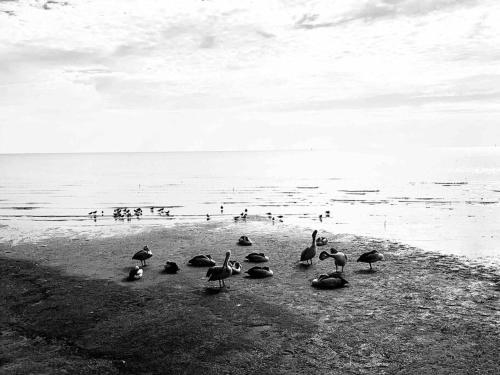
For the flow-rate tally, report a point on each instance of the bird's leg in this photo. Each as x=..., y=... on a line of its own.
x=370, y=266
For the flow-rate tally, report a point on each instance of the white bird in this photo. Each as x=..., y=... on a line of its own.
x=310, y=252
x=340, y=258
x=135, y=273
x=220, y=273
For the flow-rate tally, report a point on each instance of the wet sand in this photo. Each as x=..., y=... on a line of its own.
x=68, y=308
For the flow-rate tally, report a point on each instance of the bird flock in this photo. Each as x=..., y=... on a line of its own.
x=219, y=273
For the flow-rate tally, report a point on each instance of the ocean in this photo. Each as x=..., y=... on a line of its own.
x=438, y=199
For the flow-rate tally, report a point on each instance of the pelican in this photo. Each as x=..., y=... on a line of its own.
x=236, y=266
x=259, y=272
x=244, y=241
x=371, y=257
x=257, y=257
x=135, y=273
x=310, y=252
x=329, y=281
x=171, y=267
x=202, y=261
x=340, y=258
x=321, y=241
x=142, y=255
x=220, y=272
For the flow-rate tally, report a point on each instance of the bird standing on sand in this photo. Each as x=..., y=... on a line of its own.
x=310, y=252
x=220, y=273
x=142, y=255
x=371, y=257
x=329, y=281
x=340, y=258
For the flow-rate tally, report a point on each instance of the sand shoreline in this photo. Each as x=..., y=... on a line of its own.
x=418, y=313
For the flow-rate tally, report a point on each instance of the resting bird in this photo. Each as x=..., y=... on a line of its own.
x=202, y=261
x=257, y=257
x=371, y=257
x=321, y=241
x=142, y=255
x=310, y=252
x=329, y=281
x=340, y=258
x=236, y=267
x=220, y=272
x=135, y=273
x=259, y=272
x=244, y=241
x=171, y=267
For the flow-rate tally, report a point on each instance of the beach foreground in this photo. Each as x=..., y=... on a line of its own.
x=68, y=308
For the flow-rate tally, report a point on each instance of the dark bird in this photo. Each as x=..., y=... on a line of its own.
x=202, y=261
x=321, y=241
x=135, y=273
x=340, y=258
x=371, y=257
x=208, y=217
x=171, y=267
x=244, y=241
x=309, y=253
x=142, y=255
x=257, y=257
x=259, y=272
x=329, y=281
x=219, y=273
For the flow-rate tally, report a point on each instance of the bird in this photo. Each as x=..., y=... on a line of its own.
x=371, y=257
x=310, y=252
x=321, y=241
x=340, y=258
x=257, y=257
x=208, y=217
x=142, y=255
x=220, y=273
x=171, y=267
x=259, y=272
x=202, y=261
x=329, y=281
x=135, y=273
x=244, y=241
x=236, y=266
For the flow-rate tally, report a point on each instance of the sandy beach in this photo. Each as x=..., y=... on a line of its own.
x=68, y=308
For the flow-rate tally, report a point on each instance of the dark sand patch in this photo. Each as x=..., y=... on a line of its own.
x=70, y=312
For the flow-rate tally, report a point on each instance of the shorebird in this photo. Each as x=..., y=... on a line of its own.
x=329, y=281
x=259, y=272
x=202, y=261
x=321, y=241
x=244, y=241
x=171, y=267
x=309, y=253
x=142, y=255
x=236, y=266
x=340, y=258
x=257, y=257
x=135, y=273
x=208, y=217
x=371, y=257
x=220, y=273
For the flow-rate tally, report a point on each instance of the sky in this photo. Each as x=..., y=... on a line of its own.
x=145, y=75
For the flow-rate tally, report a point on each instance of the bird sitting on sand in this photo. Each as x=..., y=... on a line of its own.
x=135, y=273
x=171, y=267
x=371, y=257
x=220, y=273
x=202, y=261
x=321, y=241
x=340, y=258
x=259, y=272
x=257, y=257
x=142, y=255
x=236, y=266
x=309, y=253
x=244, y=241
x=329, y=281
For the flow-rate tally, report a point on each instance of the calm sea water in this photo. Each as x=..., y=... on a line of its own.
x=438, y=199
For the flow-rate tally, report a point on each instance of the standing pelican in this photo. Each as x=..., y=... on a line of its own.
x=142, y=255
x=220, y=272
x=340, y=258
x=310, y=252
x=371, y=257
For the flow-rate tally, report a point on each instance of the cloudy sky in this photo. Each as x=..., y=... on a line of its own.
x=145, y=75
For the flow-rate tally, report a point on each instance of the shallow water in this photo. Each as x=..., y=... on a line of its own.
x=438, y=199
